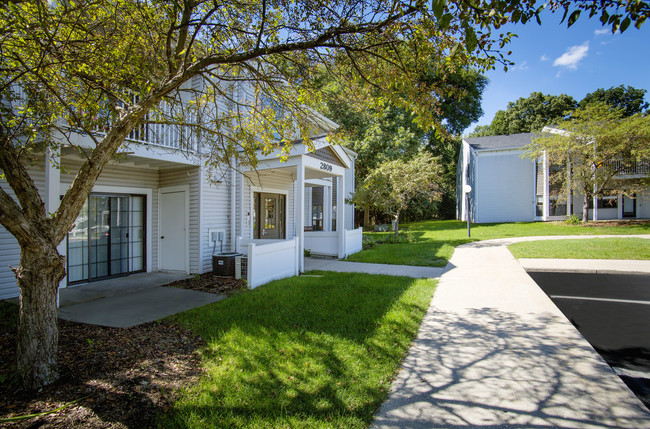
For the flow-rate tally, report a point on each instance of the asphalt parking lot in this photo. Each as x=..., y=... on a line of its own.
x=612, y=312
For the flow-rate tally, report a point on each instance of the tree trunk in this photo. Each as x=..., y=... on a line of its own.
x=366, y=217
x=397, y=224
x=585, y=208
x=39, y=275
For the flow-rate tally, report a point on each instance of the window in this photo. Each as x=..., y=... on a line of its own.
x=317, y=208
x=605, y=202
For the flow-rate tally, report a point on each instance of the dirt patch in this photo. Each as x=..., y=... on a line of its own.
x=126, y=377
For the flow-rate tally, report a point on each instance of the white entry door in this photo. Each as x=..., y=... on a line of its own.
x=173, y=254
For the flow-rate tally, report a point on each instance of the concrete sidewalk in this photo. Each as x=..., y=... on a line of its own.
x=322, y=264
x=494, y=351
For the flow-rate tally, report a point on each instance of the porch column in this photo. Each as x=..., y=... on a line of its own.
x=340, y=214
x=547, y=200
x=620, y=206
x=300, y=213
x=569, y=198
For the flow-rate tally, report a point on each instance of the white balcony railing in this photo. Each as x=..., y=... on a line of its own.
x=150, y=132
x=640, y=168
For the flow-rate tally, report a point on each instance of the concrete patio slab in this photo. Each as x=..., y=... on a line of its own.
x=116, y=286
x=321, y=264
x=494, y=351
x=131, y=309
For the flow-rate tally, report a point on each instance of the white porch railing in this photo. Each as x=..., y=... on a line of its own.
x=327, y=243
x=353, y=241
x=270, y=259
x=322, y=242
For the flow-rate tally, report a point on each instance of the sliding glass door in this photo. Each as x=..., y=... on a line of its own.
x=108, y=238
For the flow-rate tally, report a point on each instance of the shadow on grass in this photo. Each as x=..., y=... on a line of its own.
x=306, y=351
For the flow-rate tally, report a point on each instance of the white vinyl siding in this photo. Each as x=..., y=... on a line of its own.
x=643, y=205
x=9, y=248
x=505, y=187
x=215, y=213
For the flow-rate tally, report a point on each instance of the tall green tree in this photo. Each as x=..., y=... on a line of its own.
x=602, y=148
x=529, y=114
x=626, y=98
x=380, y=133
x=69, y=67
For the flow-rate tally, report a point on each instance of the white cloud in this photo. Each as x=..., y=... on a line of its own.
x=602, y=32
x=544, y=58
x=522, y=66
x=572, y=56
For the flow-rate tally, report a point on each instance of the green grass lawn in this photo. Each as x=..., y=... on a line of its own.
x=433, y=242
x=309, y=351
x=603, y=248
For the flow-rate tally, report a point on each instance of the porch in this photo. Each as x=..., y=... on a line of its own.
x=295, y=205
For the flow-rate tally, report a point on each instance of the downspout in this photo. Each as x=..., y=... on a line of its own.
x=233, y=205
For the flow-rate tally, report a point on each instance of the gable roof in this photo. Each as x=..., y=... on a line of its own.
x=511, y=141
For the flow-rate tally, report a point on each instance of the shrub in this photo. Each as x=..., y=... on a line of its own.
x=573, y=220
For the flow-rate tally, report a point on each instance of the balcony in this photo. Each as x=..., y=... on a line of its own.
x=153, y=133
x=640, y=168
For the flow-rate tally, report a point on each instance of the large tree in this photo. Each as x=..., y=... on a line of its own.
x=602, y=150
x=529, y=114
x=75, y=67
x=627, y=98
x=381, y=133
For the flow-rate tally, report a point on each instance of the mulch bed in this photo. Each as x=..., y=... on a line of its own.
x=210, y=283
x=127, y=377
x=619, y=222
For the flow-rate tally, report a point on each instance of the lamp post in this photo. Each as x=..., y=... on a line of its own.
x=467, y=189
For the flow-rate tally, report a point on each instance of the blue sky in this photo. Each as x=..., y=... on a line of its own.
x=555, y=60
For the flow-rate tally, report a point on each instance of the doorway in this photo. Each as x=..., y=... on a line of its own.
x=173, y=230
x=270, y=216
x=629, y=206
x=108, y=238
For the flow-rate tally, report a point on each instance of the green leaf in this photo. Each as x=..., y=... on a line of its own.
x=470, y=39
x=604, y=17
x=639, y=22
x=626, y=23
x=438, y=7
x=444, y=22
x=573, y=18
